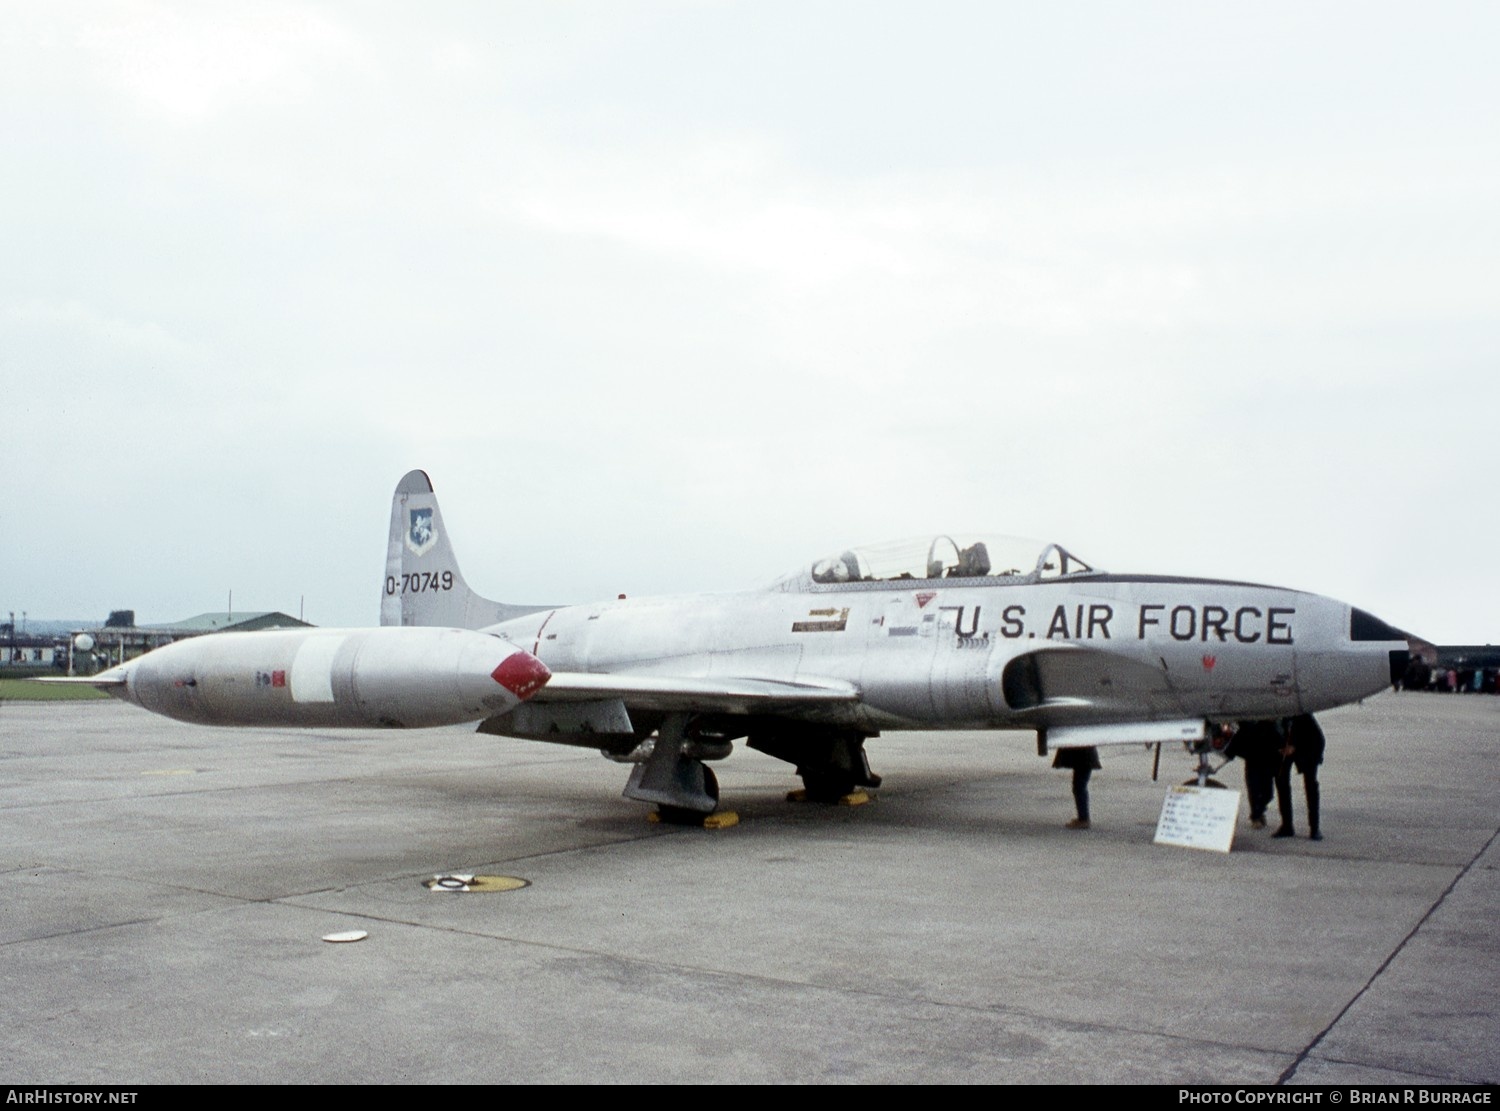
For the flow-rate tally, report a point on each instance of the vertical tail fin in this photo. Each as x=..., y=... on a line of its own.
x=423, y=585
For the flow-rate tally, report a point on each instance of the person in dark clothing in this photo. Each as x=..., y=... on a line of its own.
x=1418, y=674
x=1083, y=761
x=1304, y=751
x=1258, y=744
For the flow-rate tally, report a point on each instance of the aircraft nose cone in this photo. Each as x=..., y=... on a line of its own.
x=522, y=674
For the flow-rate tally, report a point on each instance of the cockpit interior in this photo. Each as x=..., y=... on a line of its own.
x=942, y=557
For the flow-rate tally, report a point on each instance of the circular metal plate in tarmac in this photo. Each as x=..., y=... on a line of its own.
x=463, y=882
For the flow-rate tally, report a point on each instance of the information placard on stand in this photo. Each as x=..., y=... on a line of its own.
x=1198, y=818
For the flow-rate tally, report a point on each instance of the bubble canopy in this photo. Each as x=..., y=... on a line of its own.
x=957, y=556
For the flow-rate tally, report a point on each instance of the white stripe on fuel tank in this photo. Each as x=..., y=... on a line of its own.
x=312, y=668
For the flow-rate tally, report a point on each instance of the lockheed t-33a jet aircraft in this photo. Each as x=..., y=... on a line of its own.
x=946, y=632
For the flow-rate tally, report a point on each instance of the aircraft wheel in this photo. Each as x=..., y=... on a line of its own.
x=677, y=816
x=711, y=784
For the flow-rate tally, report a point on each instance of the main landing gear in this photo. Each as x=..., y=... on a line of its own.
x=674, y=776
x=831, y=762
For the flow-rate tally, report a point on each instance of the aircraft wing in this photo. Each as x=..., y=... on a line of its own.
x=103, y=681
x=719, y=694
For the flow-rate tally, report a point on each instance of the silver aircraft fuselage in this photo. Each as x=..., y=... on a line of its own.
x=960, y=654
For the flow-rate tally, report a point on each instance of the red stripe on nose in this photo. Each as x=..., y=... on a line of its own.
x=522, y=674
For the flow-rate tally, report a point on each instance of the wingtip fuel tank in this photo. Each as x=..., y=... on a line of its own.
x=391, y=677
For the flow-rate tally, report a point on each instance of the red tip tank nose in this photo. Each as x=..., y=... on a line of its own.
x=522, y=674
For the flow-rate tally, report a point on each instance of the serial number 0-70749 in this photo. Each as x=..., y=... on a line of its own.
x=419, y=581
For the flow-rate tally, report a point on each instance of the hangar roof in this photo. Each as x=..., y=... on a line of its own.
x=223, y=621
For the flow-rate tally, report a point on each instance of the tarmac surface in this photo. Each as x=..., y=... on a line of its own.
x=164, y=889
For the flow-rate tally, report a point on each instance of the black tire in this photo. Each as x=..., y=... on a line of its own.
x=828, y=786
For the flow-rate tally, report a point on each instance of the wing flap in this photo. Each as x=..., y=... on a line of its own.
x=719, y=694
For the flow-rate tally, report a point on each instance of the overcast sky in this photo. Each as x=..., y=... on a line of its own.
x=677, y=296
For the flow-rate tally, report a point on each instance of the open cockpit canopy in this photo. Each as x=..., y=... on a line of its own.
x=932, y=558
